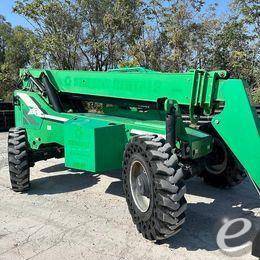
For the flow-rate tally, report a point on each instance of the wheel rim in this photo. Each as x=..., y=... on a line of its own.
x=216, y=162
x=140, y=186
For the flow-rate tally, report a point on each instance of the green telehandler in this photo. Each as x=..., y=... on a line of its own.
x=147, y=123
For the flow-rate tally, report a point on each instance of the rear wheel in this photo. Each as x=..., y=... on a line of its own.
x=152, y=179
x=221, y=167
x=18, y=158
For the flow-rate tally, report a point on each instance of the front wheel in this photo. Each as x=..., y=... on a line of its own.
x=18, y=159
x=152, y=179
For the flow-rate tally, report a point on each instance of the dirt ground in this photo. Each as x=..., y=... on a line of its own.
x=75, y=215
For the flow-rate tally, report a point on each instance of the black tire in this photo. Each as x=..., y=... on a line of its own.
x=166, y=213
x=232, y=172
x=18, y=158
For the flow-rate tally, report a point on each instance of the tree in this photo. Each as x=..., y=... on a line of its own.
x=5, y=31
x=83, y=33
x=166, y=40
x=247, y=12
x=109, y=27
x=236, y=44
x=58, y=28
x=14, y=54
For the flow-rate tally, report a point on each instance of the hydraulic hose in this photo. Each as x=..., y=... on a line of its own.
x=52, y=94
x=171, y=126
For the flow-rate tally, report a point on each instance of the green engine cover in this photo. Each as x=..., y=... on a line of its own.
x=93, y=145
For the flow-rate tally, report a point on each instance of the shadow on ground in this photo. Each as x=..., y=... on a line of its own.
x=203, y=218
x=55, y=168
x=115, y=187
x=68, y=181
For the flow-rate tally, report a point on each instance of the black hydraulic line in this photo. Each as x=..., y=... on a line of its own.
x=171, y=126
x=36, y=83
x=52, y=94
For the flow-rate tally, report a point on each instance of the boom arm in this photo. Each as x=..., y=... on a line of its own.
x=194, y=88
x=239, y=127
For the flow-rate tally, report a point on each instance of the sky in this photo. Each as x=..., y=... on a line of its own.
x=14, y=19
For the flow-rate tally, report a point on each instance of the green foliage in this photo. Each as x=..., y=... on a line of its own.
x=166, y=35
x=256, y=95
x=246, y=13
x=83, y=33
x=57, y=26
x=15, y=53
x=109, y=28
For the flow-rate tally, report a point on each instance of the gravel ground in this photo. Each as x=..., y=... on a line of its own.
x=73, y=215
